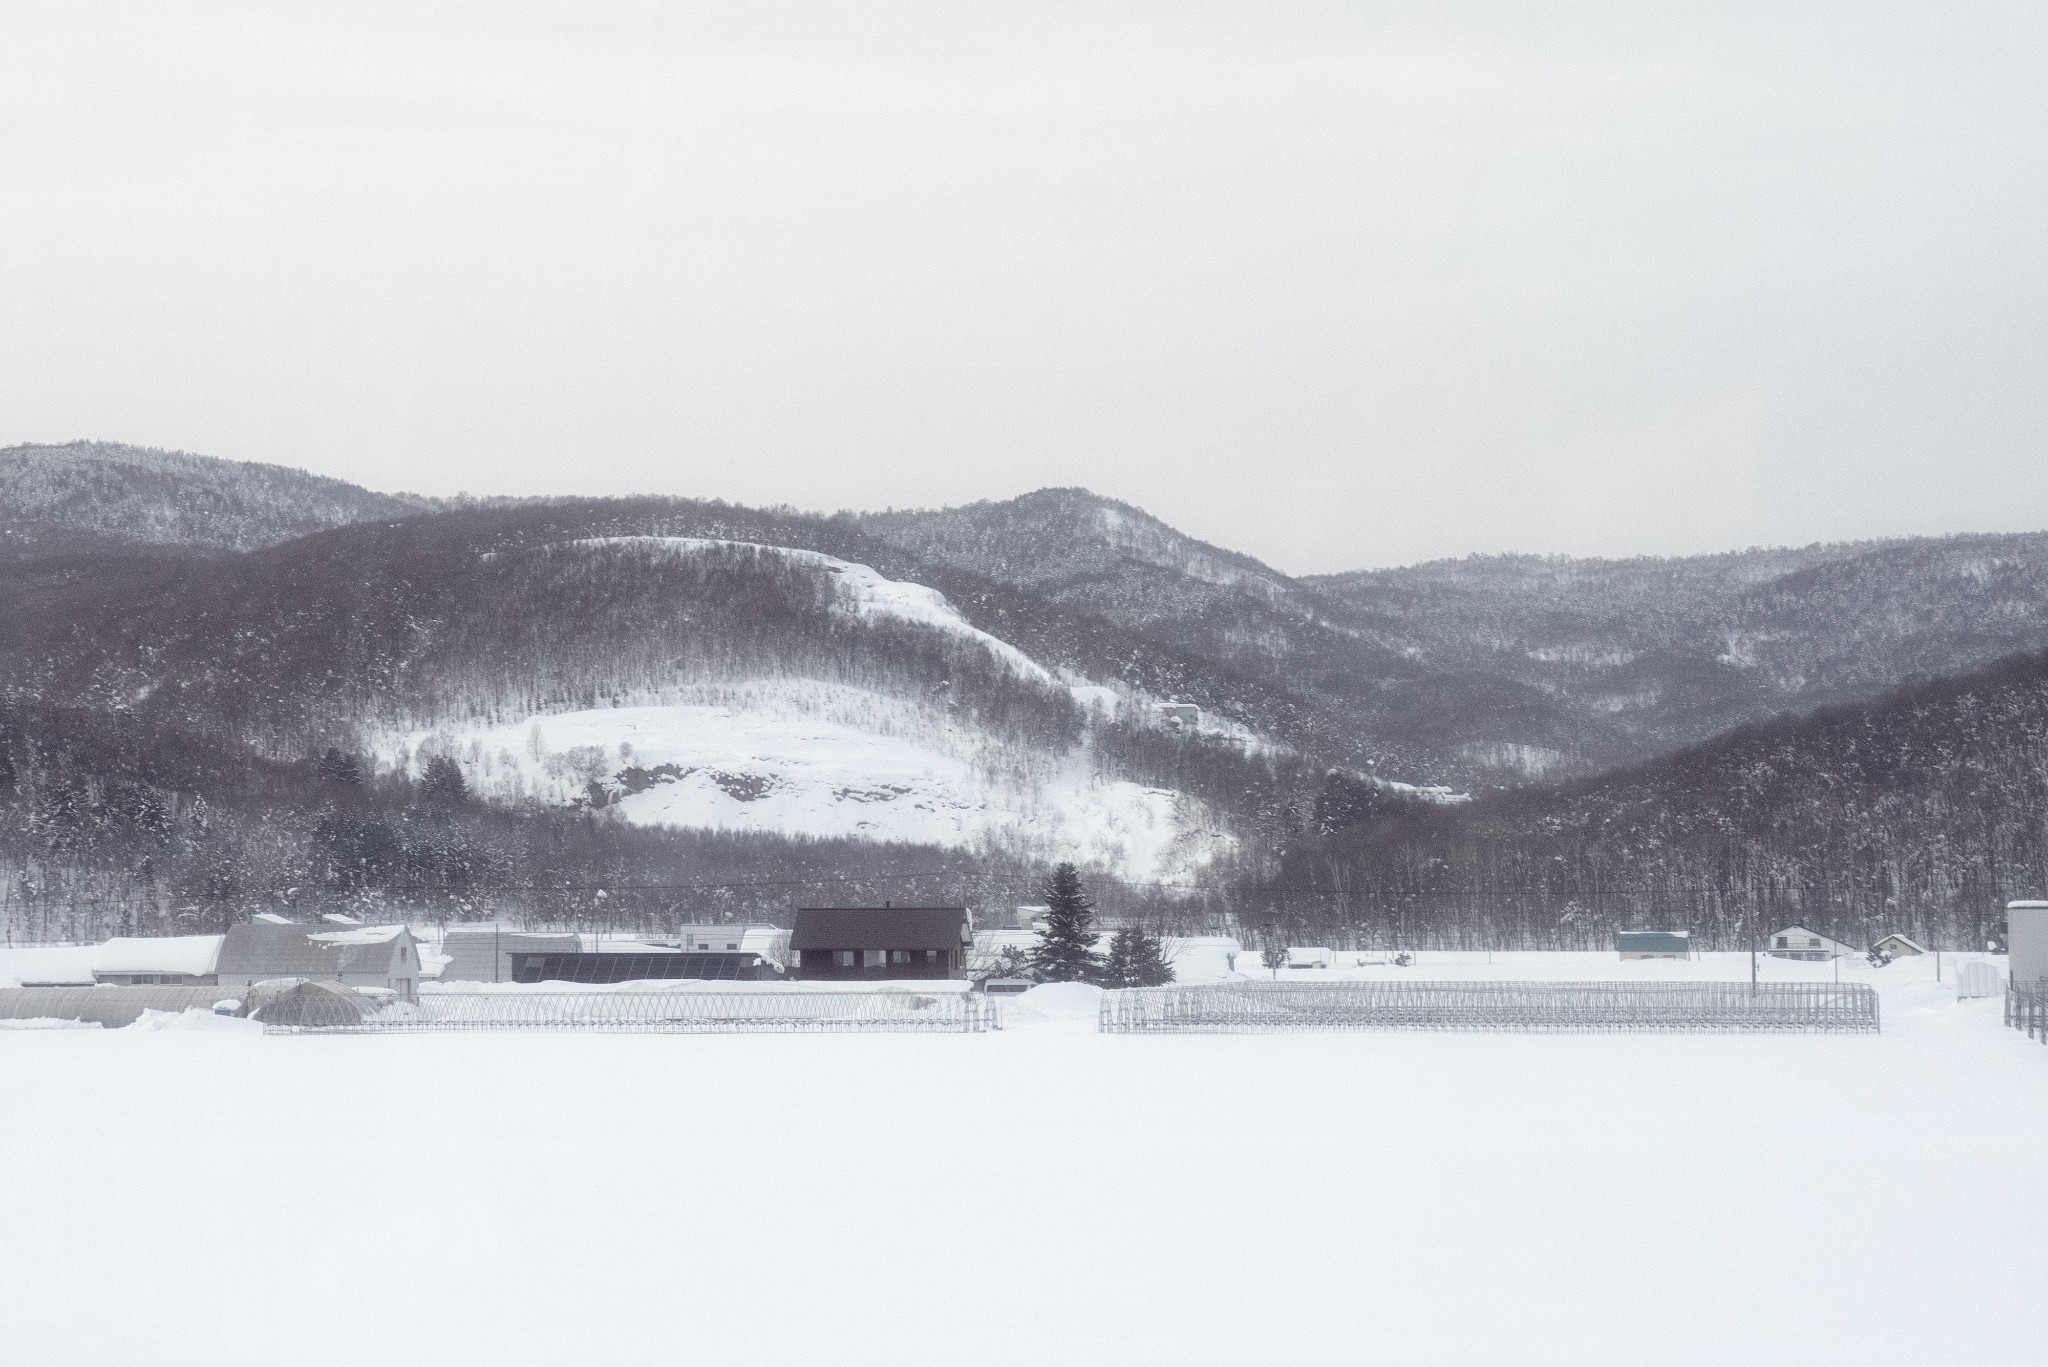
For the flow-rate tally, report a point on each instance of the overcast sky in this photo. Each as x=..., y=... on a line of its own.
x=1338, y=284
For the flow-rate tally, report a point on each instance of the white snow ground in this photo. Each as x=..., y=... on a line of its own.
x=1042, y=1195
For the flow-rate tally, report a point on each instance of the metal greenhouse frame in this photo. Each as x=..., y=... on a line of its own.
x=677, y=1013
x=1261, y=1008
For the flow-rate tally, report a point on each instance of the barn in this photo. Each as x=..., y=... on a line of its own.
x=367, y=956
x=841, y=944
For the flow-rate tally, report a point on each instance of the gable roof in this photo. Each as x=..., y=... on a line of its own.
x=879, y=928
x=296, y=951
x=1910, y=944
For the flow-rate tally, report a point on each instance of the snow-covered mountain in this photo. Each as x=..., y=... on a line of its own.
x=89, y=495
x=653, y=664
x=817, y=749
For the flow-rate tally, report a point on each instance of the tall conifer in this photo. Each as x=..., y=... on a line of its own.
x=1066, y=949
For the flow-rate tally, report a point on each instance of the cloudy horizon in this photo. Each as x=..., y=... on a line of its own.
x=1337, y=287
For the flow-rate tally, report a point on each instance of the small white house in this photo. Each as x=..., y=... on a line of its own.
x=1898, y=947
x=1797, y=942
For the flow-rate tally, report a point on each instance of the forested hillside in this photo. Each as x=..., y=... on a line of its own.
x=1921, y=812
x=94, y=496
x=651, y=662
x=1497, y=670
x=1386, y=710
x=226, y=683
x=1665, y=652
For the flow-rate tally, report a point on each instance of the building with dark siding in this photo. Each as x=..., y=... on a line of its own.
x=863, y=943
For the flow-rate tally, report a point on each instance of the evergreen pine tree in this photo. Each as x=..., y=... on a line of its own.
x=337, y=767
x=1136, y=960
x=443, y=779
x=1150, y=963
x=1122, y=968
x=1066, y=949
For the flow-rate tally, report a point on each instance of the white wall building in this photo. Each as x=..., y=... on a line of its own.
x=2026, y=941
x=1797, y=942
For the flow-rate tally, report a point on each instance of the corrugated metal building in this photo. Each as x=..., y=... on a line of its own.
x=371, y=956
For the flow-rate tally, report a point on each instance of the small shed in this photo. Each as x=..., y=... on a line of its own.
x=855, y=943
x=1898, y=947
x=1653, y=944
x=2026, y=932
x=1797, y=942
x=1309, y=956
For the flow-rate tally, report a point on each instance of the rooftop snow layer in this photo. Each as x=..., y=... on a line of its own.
x=367, y=935
x=195, y=955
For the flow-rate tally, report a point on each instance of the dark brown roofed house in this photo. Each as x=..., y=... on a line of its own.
x=880, y=942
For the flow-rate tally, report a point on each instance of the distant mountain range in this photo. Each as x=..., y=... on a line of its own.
x=87, y=496
x=687, y=664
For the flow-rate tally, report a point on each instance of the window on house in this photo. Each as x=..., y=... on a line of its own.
x=1782, y=941
x=873, y=958
x=899, y=956
x=931, y=956
x=843, y=958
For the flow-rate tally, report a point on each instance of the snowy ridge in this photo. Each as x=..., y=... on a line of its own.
x=859, y=591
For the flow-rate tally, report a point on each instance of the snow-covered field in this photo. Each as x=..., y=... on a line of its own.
x=1042, y=1195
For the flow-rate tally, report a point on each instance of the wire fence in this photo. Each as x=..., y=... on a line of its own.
x=1262, y=1008
x=2026, y=1009
x=673, y=1013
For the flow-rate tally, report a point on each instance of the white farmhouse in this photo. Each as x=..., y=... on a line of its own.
x=1797, y=942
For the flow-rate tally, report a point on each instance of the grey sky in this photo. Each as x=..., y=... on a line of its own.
x=1338, y=285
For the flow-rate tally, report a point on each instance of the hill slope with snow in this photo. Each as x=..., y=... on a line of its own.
x=90, y=496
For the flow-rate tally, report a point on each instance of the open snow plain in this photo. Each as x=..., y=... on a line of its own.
x=1042, y=1195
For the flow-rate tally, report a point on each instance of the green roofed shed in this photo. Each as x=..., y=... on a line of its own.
x=1653, y=944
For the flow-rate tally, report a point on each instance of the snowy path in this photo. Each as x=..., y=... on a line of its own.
x=1040, y=1196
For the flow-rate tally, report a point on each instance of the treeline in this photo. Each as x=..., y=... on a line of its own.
x=112, y=826
x=1922, y=813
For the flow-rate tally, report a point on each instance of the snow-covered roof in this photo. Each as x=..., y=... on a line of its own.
x=1913, y=945
x=880, y=928
x=365, y=935
x=195, y=955
x=54, y=965
x=280, y=951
